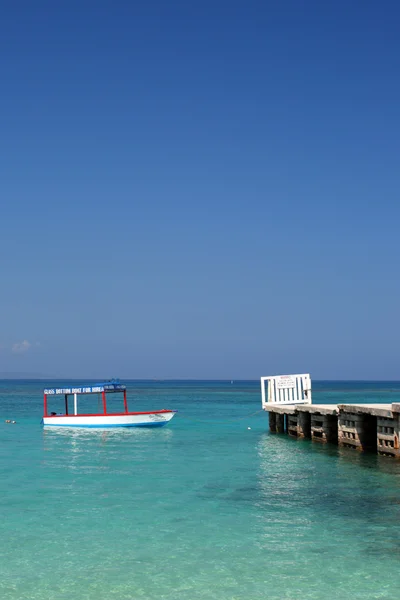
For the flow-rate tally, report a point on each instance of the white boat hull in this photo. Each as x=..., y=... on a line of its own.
x=149, y=419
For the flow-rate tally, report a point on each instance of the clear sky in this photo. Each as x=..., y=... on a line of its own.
x=200, y=189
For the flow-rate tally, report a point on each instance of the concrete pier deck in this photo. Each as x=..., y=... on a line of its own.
x=365, y=427
x=334, y=409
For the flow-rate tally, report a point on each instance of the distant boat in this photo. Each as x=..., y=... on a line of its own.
x=231, y=381
x=156, y=418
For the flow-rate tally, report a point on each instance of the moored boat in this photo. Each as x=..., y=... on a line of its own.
x=103, y=418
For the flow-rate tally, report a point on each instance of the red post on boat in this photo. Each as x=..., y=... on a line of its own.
x=125, y=402
x=103, y=395
x=45, y=405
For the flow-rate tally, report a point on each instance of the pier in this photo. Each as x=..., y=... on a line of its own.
x=363, y=427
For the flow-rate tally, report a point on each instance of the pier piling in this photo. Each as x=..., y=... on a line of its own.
x=324, y=428
x=272, y=422
x=357, y=430
x=304, y=424
x=280, y=423
x=363, y=427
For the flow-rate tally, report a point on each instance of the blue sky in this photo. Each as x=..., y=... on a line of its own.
x=200, y=189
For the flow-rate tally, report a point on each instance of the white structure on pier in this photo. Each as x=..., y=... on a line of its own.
x=286, y=389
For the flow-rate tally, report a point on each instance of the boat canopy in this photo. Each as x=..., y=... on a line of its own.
x=107, y=386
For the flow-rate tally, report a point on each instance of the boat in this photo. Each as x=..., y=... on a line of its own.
x=103, y=418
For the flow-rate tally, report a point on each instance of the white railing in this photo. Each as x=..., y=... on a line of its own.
x=286, y=389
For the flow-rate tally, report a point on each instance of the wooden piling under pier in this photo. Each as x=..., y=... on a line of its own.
x=363, y=427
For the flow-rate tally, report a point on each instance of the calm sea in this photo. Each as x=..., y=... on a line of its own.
x=202, y=509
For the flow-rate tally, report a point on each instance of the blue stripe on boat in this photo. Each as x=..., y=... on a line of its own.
x=107, y=426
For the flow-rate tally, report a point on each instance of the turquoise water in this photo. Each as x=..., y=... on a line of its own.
x=204, y=508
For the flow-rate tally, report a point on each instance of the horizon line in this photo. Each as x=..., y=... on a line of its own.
x=188, y=379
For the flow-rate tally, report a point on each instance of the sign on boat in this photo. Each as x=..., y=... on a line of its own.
x=102, y=418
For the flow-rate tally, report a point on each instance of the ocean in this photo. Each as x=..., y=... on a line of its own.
x=211, y=506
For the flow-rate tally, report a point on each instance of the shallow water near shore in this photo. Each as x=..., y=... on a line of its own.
x=203, y=508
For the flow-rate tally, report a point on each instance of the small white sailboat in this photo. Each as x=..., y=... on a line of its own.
x=156, y=418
